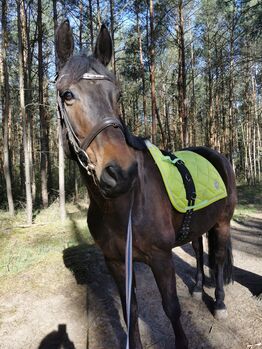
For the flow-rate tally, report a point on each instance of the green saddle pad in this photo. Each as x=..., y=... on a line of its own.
x=208, y=182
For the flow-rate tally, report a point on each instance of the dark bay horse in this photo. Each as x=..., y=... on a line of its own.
x=118, y=170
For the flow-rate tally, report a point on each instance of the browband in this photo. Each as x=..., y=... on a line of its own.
x=89, y=76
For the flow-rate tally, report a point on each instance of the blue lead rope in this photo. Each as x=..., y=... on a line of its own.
x=129, y=272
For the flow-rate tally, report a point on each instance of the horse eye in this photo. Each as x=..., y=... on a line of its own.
x=68, y=95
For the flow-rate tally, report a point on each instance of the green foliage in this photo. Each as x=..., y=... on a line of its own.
x=223, y=48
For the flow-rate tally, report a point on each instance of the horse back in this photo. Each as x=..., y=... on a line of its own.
x=223, y=166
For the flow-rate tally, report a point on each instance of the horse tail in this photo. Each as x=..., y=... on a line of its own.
x=214, y=254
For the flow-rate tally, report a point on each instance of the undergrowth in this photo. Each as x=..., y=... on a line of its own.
x=22, y=246
x=249, y=201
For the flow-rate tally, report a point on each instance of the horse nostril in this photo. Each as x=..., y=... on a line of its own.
x=113, y=171
x=114, y=180
x=110, y=176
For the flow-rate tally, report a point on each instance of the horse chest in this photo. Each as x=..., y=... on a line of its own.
x=114, y=247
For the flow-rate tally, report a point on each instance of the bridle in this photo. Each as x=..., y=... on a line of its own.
x=80, y=151
x=78, y=146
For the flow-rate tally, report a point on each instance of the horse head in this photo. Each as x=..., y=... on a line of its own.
x=88, y=103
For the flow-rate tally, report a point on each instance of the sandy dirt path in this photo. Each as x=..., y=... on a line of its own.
x=36, y=302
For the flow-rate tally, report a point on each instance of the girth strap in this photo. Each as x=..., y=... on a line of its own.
x=190, y=195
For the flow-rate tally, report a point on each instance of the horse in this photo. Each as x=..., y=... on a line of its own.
x=120, y=174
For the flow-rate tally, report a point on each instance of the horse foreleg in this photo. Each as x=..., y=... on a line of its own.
x=198, y=248
x=117, y=270
x=162, y=267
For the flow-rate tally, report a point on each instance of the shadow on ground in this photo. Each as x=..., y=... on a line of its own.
x=248, y=279
x=57, y=339
x=106, y=328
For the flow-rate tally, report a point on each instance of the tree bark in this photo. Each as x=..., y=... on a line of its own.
x=181, y=80
x=142, y=69
x=112, y=29
x=6, y=108
x=210, y=116
x=61, y=160
x=152, y=71
x=193, y=97
x=80, y=24
x=21, y=30
x=98, y=14
x=42, y=113
x=28, y=100
x=91, y=30
x=231, y=83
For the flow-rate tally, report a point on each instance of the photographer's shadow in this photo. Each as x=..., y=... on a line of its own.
x=57, y=340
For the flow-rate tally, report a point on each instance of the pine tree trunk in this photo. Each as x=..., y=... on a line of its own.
x=255, y=125
x=21, y=22
x=80, y=24
x=181, y=80
x=28, y=99
x=112, y=28
x=167, y=125
x=231, y=119
x=42, y=114
x=223, y=106
x=61, y=160
x=193, y=98
x=6, y=108
x=61, y=173
x=98, y=14
x=210, y=117
x=91, y=30
x=142, y=70
x=152, y=72
x=163, y=137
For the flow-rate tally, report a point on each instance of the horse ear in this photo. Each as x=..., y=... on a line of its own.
x=64, y=43
x=103, y=48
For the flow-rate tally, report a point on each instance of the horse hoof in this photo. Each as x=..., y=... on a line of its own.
x=220, y=314
x=197, y=295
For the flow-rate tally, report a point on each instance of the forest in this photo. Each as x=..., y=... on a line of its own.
x=189, y=71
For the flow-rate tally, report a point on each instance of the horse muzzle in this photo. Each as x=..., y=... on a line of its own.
x=115, y=181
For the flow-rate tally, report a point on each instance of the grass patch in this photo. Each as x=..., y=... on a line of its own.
x=249, y=201
x=22, y=246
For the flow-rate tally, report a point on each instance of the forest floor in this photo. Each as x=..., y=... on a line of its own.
x=43, y=305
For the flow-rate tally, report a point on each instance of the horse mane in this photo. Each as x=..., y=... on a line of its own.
x=135, y=142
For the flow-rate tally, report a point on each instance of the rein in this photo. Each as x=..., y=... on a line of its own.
x=81, y=147
x=80, y=151
x=129, y=270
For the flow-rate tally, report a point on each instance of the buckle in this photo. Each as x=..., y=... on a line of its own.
x=83, y=158
x=180, y=162
x=85, y=162
x=188, y=178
